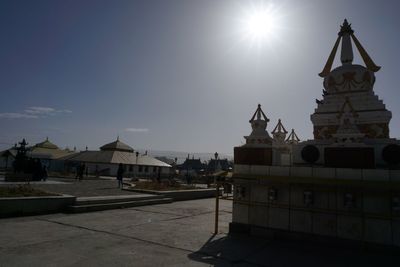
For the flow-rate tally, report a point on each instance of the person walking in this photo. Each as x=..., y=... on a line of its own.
x=78, y=170
x=81, y=171
x=120, y=174
x=44, y=173
x=37, y=170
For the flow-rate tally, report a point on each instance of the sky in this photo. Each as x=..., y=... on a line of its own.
x=175, y=75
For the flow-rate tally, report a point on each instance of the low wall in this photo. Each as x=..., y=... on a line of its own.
x=178, y=195
x=348, y=205
x=319, y=172
x=19, y=206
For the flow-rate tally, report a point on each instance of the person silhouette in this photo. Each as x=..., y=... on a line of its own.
x=120, y=174
x=44, y=173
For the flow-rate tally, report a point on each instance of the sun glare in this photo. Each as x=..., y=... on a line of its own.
x=259, y=24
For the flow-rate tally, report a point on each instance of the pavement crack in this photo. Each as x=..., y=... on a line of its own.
x=37, y=243
x=188, y=216
x=152, y=211
x=180, y=216
x=118, y=235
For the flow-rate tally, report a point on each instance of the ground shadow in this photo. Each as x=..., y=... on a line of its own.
x=239, y=250
x=227, y=250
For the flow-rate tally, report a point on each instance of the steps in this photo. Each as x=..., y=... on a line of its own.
x=88, y=204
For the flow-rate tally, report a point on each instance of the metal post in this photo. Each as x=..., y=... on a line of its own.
x=136, y=169
x=216, y=207
x=216, y=157
x=187, y=171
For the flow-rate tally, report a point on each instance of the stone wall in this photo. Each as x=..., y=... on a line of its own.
x=318, y=172
x=354, y=206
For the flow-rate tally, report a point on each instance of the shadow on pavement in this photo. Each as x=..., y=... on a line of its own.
x=241, y=250
x=228, y=250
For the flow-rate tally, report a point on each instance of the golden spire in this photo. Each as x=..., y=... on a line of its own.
x=329, y=62
x=366, y=58
x=347, y=55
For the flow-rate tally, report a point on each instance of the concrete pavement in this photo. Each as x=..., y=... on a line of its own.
x=84, y=188
x=176, y=234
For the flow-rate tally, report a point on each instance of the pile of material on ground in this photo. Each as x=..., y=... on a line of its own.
x=23, y=191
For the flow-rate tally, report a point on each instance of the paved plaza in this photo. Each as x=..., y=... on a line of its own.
x=84, y=188
x=176, y=234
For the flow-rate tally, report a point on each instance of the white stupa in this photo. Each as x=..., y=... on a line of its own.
x=292, y=138
x=350, y=123
x=259, y=136
x=279, y=133
x=352, y=84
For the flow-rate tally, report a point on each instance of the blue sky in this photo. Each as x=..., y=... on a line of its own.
x=174, y=75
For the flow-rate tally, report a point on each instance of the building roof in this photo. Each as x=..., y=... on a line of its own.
x=117, y=146
x=192, y=164
x=167, y=160
x=221, y=163
x=9, y=152
x=47, y=150
x=46, y=144
x=42, y=150
x=115, y=157
x=48, y=153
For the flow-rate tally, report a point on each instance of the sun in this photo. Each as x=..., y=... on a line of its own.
x=259, y=24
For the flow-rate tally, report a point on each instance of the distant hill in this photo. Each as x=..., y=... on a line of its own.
x=183, y=155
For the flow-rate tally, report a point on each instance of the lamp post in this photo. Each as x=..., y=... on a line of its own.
x=187, y=169
x=216, y=164
x=216, y=196
x=136, y=170
x=175, y=168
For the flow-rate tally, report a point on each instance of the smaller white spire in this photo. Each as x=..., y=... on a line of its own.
x=259, y=134
x=259, y=122
x=279, y=128
x=279, y=132
x=293, y=138
x=259, y=114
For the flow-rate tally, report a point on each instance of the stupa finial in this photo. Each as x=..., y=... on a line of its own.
x=345, y=28
x=279, y=128
x=346, y=34
x=293, y=138
x=259, y=134
x=279, y=132
x=259, y=114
